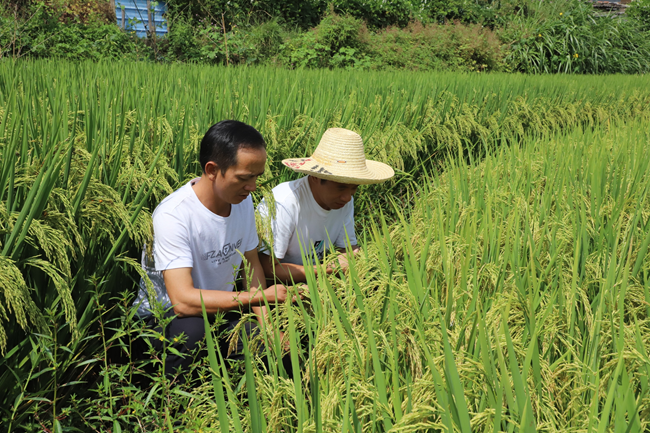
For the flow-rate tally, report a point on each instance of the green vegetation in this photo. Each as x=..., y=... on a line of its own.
x=455, y=35
x=573, y=39
x=517, y=198
x=514, y=298
x=640, y=12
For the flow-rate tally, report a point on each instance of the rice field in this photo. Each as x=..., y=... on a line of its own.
x=503, y=284
x=514, y=297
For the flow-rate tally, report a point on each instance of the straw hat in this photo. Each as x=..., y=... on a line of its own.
x=340, y=157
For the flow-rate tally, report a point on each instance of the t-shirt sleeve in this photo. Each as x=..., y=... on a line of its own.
x=282, y=227
x=348, y=228
x=171, y=243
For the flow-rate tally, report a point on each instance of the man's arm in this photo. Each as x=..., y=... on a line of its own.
x=286, y=273
x=355, y=249
x=186, y=299
x=257, y=282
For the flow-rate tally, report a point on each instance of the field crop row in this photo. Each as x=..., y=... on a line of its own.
x=406, y=119
x=88, y=150
x=515, y=297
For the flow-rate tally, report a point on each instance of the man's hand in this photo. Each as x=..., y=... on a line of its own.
x=343, y=262
x=276, y=294
x=342, y=259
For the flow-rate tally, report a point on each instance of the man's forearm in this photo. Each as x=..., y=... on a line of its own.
x=215, y=301
x=257, y=282
x=286, y=273
x=186, y=299
x=289, y=273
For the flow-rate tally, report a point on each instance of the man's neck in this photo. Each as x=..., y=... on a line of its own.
x=205, y=193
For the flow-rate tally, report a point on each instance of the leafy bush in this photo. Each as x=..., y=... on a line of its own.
x=338, y=41
x=66, y=11
x=78, y=42
x=304, y=14
x=381, y=13
x=376, y=14
x=183, y=42
x=207, y=43
x=266, y=39
x=344, y=41
x=47, y=30
x=437, y=47
x=639, y=11
x=568, y=37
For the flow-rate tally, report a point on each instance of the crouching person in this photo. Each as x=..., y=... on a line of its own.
x=200, y=233
x=315, y=214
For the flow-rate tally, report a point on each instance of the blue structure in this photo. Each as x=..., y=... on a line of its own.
x=136, y=16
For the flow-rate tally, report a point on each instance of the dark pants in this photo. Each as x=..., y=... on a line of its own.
x=193, y=329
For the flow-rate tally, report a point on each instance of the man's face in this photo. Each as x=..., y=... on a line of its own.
x=239, y=180
x=332, y=195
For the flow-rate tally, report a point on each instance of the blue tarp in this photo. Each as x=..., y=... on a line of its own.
x=136, y=16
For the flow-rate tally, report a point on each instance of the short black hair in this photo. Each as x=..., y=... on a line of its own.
x=224, y=139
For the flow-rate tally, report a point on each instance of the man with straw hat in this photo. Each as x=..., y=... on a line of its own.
x=315, y=213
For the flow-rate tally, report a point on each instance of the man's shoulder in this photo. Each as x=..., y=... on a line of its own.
x=175, y=202
x=290, y=192
x=285, y=197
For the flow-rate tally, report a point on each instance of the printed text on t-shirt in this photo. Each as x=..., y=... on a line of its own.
x=222, y=255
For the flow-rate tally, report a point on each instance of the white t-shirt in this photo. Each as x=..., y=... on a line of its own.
x=189, y=235
x=300, y=219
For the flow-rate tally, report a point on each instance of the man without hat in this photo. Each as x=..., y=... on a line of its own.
x=201, y=232
x=316, y=212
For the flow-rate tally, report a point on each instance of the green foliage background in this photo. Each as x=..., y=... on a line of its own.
x=461, y=35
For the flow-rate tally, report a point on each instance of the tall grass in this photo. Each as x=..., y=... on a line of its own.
x=88, y=150
x=513, y=298
x=406, y=119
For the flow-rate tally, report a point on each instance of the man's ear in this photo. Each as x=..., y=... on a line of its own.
x=211, y=170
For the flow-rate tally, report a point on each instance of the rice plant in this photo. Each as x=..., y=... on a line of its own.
x=513, y=298
x=87, y=151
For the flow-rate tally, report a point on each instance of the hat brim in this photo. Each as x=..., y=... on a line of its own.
x=374, y=171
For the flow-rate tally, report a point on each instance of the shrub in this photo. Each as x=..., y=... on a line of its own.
x=45, y=33
x=570, y=38
x=207, y=43
x=266, y=40
x=380, y=13
x=93, y=42
x=304, y=14
x=338, y=41
x=639, y=11
x=437, y=47
x=344, y=41
x=83, y=11
x=183, y=42
x=65, y=11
